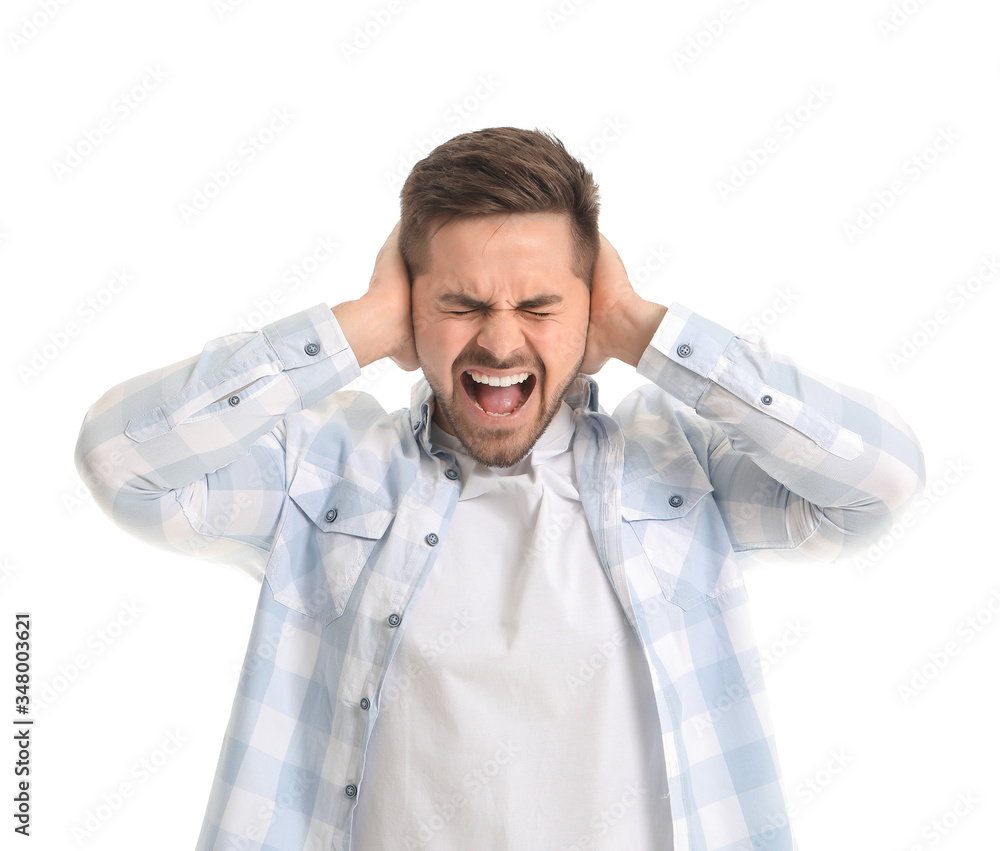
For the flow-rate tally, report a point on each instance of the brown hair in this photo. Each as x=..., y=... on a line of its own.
x=498, y=170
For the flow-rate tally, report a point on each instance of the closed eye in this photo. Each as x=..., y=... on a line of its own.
x=467, y=312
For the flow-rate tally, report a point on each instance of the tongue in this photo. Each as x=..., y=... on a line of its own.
x=498, y=400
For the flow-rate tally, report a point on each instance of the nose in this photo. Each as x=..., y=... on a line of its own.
x=500, y=333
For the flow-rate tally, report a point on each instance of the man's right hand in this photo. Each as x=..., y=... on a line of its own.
x=380, y=324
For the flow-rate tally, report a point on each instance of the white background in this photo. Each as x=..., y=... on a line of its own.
x=662, y=131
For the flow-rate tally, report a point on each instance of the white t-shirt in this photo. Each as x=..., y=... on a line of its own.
x=517, y=712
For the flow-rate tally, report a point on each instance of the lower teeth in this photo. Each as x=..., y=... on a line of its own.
x=481, y=408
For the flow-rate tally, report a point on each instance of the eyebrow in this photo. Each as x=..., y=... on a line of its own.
x=473, y=303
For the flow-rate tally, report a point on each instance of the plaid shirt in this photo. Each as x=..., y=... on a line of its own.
x=247, y=454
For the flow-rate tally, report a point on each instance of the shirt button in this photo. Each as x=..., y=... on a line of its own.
x=451, y=473
x=676, y=501
x=331, y=515
x=365, y=703
x=684, y=350
x=393, y=619
x=432, y=539
x=312, y=349
x=234, y=400
x=351, y=791
x=766, y=399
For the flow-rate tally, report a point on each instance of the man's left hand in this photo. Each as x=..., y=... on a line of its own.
x=621, y=323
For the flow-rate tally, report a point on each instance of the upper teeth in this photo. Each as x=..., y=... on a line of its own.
x=497, y=381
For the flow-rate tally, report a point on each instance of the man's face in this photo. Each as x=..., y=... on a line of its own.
x=499, y=298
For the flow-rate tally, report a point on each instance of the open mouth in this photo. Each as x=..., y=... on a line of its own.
x=498, y=396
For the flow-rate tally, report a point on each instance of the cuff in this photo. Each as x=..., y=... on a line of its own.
x=683, y=352
x=310, y=338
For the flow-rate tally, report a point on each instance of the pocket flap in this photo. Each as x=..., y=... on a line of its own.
x=658, y=511
x=330, y=530
x=667, y=493
x=337, y=504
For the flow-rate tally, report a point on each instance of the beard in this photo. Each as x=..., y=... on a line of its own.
x=499, y=447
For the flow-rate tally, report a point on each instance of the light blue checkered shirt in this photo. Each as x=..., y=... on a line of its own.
x=251, y=454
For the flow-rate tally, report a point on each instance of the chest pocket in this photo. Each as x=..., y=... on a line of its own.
x=671, y=523
x=330, y=530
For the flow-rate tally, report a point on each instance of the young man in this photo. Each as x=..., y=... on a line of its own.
x=500, y=617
